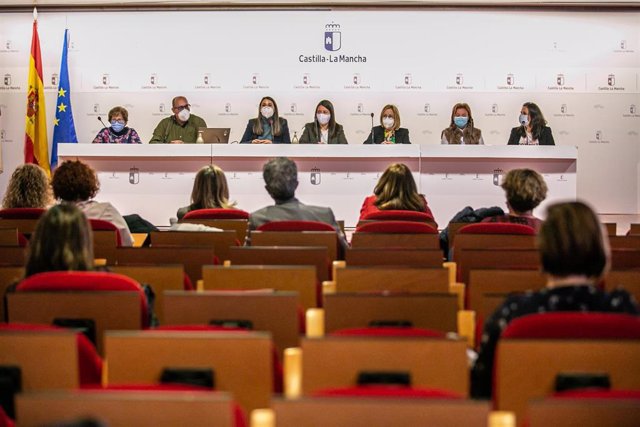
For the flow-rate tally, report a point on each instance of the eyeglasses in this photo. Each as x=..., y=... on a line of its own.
x=182, y=107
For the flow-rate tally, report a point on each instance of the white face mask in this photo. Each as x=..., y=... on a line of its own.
x=184, y=115
x=267, y=112
x=388, y=122
x=323, y=119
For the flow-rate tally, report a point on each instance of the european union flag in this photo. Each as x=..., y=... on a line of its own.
x=63, y=127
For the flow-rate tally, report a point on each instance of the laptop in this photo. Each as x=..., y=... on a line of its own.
x=215, y=135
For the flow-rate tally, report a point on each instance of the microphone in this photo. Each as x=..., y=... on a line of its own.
x=100, y=120
x=372, y=127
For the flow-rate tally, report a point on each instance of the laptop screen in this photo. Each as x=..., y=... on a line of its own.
x=215, y=135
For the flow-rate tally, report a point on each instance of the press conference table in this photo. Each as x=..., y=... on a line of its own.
x=155, y=180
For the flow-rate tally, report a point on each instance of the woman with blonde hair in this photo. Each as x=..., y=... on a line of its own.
x=396, y=190
x=462, y=129
x=389, y=131
x=28, y=188
x=210, y=191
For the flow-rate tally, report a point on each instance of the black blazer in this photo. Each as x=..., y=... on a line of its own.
x=546, y=138
x=283, y=138
x=402, y=136
x=311, y=135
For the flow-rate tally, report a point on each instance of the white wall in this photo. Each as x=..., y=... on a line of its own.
x=429, y=48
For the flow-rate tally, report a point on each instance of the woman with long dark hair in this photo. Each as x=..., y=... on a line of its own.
x=268, y=127
x=533, y=129
x=323, y=129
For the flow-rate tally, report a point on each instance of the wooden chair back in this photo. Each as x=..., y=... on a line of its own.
x=274, y=312
x=242, y=362
x=9, y=275
x=583, y=412
x=431, y=362
x=629, y=280
x=424, y=258
x=126, y=408
x=237, y=225
x=192, y=258
x=109, y=310
x=395, y=241
x=293, y=278
x=283, y=255
x=392, y=279
x=220, y=241
x=9, y=237
x=429, y=311
x=327, y=239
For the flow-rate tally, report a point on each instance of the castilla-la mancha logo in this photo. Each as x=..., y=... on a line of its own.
x=332, y=37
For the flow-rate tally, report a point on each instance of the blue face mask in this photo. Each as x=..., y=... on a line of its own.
x=461, y=121
x=117, y=126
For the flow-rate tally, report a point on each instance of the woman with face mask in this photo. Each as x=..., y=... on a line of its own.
x=461, y=130
x=324, y=129
x=268, y=127
x=533, y=129
x=118, y=132
x=389, y=131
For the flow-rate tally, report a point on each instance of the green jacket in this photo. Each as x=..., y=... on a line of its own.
x=169, y=130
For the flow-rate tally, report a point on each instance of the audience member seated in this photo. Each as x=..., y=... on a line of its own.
x=396, y=190
x=28, y=188
x=281, y=181
x=525, y=190
x=76, y=182
x=210, y=191
x=61, y=242
x=389, y=131
x=268, y=127
x=461, y=129
x=575, y=255
x=118, y=132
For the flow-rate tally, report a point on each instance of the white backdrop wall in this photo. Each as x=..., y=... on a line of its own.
x=582, y=68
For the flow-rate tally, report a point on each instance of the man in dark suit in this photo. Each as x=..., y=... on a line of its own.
x=281, y=181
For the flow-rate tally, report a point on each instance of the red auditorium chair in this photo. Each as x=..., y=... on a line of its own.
x=295, y=226
x=217, y=214
x=102, y=225
x=395, y=234
x=226, y=219
x=534, y=349
x=298, y=233
x=21, y=213
x=399, y=215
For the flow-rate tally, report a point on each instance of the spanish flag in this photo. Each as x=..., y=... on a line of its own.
x=36, y=148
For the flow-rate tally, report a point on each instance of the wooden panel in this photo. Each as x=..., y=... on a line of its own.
x=300, y=279
x=105, y=243
x=584, y=413
x=628, y=280
x=526, y=369
x=625, y=242
x=351, y=412
x=109, y=310
x=624, y=259
x=326, y=239
x=283, y=255
x=399, y=279
x=426, y=258
x=237, y=225
x=126, y=408
x=13, y=255
x=395, y=240
x=500, y=283
x=242, y=362
x=192, y=258
x=24, y=226
x=634, y=230
x=160, y=277
x=431, y=311
x=275, y=312
x=336, y=361
x=485, y=241
x=8, y=237
x=611, y=228
x=220, y=241
x=47, y=360
x=9, y=275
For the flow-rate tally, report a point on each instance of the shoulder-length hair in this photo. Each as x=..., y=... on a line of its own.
x=396, y=190
x=571, y=242
x=74, y=181
x=27, y=188
x=210, y=189
x=332, y=120
x=465, y=106
x=538, y=121
x=525, y=189
x=396, y=114
x=276, y=128
x=62, y=241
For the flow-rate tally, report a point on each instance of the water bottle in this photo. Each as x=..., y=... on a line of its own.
x=199, y=140
x=295, y=138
